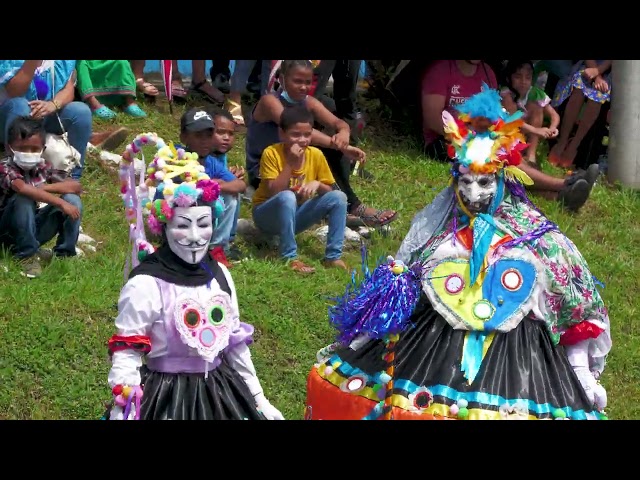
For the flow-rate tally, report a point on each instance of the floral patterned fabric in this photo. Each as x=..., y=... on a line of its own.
x=571, y=296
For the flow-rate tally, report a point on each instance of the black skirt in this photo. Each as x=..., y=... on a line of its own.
x=223, y=395
x=522, y=366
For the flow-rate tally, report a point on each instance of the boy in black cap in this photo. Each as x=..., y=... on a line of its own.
x=211, y=136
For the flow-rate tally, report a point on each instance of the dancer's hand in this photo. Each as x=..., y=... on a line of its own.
x=595, y=392
x=268, y=410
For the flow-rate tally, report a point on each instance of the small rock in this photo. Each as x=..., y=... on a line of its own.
x=349, y=235
x=83, y=238
x=252, y=234
x=365, y=232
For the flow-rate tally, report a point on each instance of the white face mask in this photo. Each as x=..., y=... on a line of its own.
x=27, y=160
x=477, y=190
x=189, y=232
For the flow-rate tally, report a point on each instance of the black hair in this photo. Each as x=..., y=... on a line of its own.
x=220, y=112
x=296, y=114
x=510, y=68
x=26, y=127
x=288, y=65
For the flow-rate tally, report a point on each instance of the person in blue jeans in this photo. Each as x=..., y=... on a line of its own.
x=211, y=136
x=296, y=191
x=26, y=180
x=45, y=89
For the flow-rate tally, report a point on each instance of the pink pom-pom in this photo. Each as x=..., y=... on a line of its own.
x=167, y=211
x=328, y=371
x=208, y=195
x=120, y=401
x=134, y=148
x=123, y=189
x=144, y=140
x=155, y=226
x=210, y=189
x=184, y=200
x=462, y=169
x=453, y=409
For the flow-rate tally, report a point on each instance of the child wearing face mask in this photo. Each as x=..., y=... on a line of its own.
x=211, y=136
x=296, y=191
x=26, y=180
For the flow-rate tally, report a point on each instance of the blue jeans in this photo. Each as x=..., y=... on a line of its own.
x=281, y=215
x=242, y=72
x=75, y=116
x=225, y=231
x=24, y=226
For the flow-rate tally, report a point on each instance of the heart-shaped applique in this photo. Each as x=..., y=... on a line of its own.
x=206, y=328
x=496, y=302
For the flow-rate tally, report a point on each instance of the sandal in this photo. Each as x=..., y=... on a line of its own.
x=301, y=267
x=134, y=110
x=212, y=98
x=235, y=109
x=148, y=89
x=178, y=91
x=374, y=220
x=104, y=112
x=335, y=263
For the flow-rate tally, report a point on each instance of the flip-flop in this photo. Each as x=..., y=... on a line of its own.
x=178, y=91
x=235, y=109
x=147, y=89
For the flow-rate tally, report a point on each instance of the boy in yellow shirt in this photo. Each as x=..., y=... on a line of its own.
x=296, y=191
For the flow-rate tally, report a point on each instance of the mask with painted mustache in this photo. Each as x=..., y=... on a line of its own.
x=189, y=232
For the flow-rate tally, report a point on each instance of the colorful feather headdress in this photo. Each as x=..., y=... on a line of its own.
x=485, y=138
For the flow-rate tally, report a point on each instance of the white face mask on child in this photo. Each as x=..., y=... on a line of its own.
x=27, y=160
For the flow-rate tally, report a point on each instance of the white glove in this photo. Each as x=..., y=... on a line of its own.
x=240, y=359
x=595, y=392
x=268, y=410
x=578, y=355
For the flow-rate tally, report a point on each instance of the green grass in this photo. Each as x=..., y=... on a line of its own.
x=53, y=330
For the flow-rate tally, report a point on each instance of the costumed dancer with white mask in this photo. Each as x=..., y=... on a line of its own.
x=488, y=310
x=179, y=307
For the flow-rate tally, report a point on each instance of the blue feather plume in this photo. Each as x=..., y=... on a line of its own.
x=380, y=305
x=488, y=104
x=42, y=88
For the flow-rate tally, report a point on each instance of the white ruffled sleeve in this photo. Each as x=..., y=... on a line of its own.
x=139, y=307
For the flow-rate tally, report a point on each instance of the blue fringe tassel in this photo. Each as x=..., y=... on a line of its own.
x=381, y=305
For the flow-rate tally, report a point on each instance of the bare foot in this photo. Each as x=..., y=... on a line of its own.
x=556, y=153
x=569, y=155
